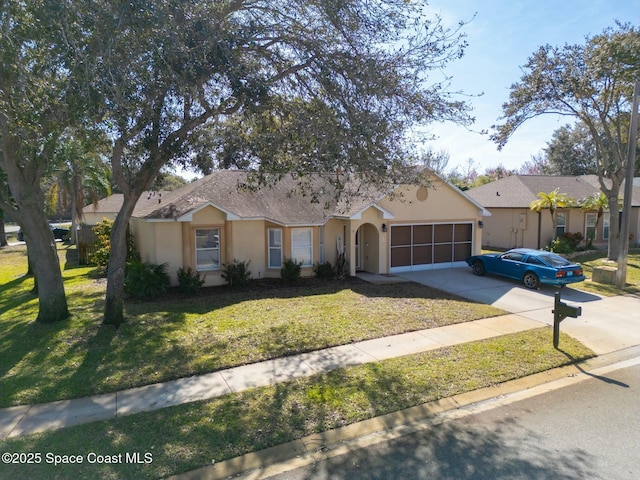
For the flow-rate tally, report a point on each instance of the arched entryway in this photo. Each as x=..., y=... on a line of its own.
x=367, y=245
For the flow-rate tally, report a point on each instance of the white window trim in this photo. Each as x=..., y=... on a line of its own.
x=309, y=246
x=321, y=245
x=274, y=248
x=587, y=226
x=204, y=249
x=562, y=225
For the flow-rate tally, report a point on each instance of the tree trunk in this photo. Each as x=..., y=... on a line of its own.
x=554, y=224
x=46, y=269
x=614, y=228
x=43, y=256
x=114, y=302
x=3, y=234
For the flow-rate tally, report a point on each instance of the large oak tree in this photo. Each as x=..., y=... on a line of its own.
x=35, y=107
x=593, y=83
x=311, y=86
x=271, y=86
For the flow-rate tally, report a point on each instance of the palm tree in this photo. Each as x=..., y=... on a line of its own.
x=83, y=177
x=596, y=202
x=552, y=201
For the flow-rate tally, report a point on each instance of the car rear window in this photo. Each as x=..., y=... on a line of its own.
x=555, y=260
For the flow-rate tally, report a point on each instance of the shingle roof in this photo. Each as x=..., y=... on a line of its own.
x=518, y=191
x=113, y=203
x=284, y=202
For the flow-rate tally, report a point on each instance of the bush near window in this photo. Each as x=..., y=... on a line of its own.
x=237, y=273
x=291, y=270
x=324, y=270
x=566, y=243
x=146, y=280
x=100, y=257
x=189, y=280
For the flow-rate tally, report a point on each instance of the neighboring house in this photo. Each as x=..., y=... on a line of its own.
x=514, y=224
x=110, y=206
x=212, y=221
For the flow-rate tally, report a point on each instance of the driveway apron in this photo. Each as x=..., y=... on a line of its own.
x=606, y=323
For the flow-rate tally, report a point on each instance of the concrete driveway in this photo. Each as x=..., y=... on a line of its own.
x=607, y=323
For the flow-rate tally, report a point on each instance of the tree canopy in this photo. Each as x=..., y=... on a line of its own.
x=571, y=151
x=271, y=86
x=593, y=83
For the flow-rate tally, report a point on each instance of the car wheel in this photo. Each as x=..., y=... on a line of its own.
x=478, y=268
x=531, y=280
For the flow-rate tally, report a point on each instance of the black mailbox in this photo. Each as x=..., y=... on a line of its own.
x=561, y=311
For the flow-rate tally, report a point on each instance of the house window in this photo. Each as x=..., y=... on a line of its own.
x=605, y=226
x=208, y=249
x=275, y=248
x=302, y=246
x=590, y=226
x=561, y=224
x=321, y=245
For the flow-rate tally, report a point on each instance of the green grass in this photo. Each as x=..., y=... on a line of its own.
x=189, y=436
x=181, y=336
x=592, y=259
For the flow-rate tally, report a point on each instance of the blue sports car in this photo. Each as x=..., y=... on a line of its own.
x=532, y=267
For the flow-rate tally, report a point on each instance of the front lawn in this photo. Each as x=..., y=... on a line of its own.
x=595, y=258
x=186, y=437
x=180, y=336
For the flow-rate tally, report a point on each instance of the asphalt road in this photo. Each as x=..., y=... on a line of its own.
x=587, y=431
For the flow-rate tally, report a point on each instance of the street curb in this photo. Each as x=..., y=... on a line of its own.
x=312, y=448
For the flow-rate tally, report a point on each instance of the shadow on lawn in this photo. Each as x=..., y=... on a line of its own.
x=212, y=298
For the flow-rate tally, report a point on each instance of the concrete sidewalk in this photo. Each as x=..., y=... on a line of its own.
x=24, y=420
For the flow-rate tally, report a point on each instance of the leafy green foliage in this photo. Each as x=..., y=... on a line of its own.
x=324, y=270
x=189, y=280
x=566, y=243
x=571, y=151
x=236, y=273
x=552, y=201
x=146, y=280
x=291, y=270
x=100, y=256
x=593, y=83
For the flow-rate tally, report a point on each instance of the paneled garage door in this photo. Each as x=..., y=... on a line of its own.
x=424, y=246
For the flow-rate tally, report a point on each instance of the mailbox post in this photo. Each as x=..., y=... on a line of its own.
x=561, y=311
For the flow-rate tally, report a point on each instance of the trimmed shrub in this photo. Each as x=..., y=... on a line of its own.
x=100, y=256
x=566, y=243
x=291, y=270
x=237, y=273
x=146, y=280
x=189, y=280
x=324, y=270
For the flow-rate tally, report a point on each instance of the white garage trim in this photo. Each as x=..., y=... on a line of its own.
x=428, y=246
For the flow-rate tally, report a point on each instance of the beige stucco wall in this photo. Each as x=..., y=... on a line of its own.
x=174, y=242
x=505, y=228
x=248, y=242
x=509, y=228
x=443, y=204
x=159, y=242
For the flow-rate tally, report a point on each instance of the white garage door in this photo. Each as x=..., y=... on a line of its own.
x=425, y=246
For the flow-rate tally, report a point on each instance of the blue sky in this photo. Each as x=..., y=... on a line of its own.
x=501, y=37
